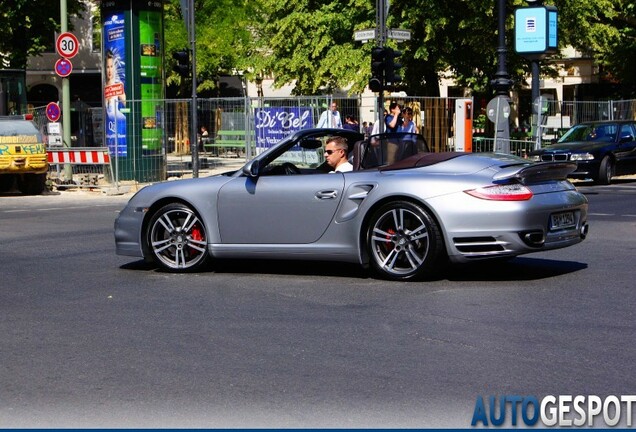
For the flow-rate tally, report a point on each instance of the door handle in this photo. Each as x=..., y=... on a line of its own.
x=327, y=194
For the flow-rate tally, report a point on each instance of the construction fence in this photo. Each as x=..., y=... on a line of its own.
x=235, y=129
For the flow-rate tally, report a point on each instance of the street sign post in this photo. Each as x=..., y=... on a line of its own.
x=364, y=35
x=63, y=67
x=53, y=111
x=399, y=34
x=67, y=45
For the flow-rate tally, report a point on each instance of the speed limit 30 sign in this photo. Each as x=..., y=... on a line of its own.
x=67, y=45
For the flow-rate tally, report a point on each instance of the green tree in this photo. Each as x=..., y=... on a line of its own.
x=29, y=27
x=606, y=30
x=310, y=43
x=223, y=34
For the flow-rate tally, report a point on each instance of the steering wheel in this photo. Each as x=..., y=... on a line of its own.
x=289, y=168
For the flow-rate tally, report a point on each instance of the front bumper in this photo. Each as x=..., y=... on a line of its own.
x=128, y=226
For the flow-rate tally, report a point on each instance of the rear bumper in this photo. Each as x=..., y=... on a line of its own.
x=480, y=229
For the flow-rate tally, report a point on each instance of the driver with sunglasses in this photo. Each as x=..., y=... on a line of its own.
x=336, y=154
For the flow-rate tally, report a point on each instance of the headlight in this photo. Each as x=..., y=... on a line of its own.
x=535, y=158
x=581, y=157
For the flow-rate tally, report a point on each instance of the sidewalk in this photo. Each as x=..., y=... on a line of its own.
x=181, y=166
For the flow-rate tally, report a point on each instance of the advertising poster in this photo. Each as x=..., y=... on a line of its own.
x=115, y=83
x=272, y=124
x=150, y=39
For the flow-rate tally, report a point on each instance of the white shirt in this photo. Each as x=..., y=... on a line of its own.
x=344, y=167
x=330, y=119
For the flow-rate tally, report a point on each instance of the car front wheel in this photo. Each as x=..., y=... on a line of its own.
x=404, y=241
x=606, y=171
x=177, y=239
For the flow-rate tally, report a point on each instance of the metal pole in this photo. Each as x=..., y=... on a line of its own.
x=502, y=82
x=193, y=135
x=66, y=97
x=380, y=39
x=536, y=101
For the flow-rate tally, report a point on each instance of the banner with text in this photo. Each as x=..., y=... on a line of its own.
x=272, y=124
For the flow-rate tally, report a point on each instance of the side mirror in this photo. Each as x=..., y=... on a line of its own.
x=252, y=168
x=626, y=138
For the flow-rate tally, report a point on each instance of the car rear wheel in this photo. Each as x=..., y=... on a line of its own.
x=404, y=241
x=606, y=171
x=177, y=239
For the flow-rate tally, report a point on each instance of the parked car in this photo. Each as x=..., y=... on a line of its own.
x=402, y=211
x=601, y=149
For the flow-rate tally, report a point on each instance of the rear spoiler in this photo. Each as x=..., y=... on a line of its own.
x=536, y=172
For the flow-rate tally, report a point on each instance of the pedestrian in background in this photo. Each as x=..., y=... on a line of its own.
x=351, y=123
x=408, y=125
x=330, y=118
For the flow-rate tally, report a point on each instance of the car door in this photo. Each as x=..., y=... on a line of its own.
x=278, y=209
x=626, y=151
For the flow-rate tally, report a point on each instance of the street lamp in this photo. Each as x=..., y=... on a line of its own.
x=502, y=82
x=498, y=109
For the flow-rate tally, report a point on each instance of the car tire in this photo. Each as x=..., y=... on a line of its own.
x=404, y=242
x=176, y=239
x=605, y=171
x=32, y=184
x=6, y=182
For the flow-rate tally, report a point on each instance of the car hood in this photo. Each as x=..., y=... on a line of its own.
x=178, y=189
x=577, y=147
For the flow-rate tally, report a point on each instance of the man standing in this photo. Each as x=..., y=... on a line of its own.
x=330, y=118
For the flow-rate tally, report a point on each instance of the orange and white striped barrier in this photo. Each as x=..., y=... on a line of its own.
x=79, y=156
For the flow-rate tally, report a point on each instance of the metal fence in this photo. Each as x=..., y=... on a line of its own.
x=161, y=145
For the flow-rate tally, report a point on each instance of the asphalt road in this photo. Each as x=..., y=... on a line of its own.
x=91, y=339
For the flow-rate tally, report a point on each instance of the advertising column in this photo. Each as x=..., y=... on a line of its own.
x=133, y=87
x=114, y=73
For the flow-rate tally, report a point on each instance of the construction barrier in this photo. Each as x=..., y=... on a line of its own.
x=89, y=167
x=79, y=156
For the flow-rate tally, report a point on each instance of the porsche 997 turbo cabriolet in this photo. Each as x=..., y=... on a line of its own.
x=401, y=211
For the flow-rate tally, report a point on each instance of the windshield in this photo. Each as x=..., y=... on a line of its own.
x=597, y=132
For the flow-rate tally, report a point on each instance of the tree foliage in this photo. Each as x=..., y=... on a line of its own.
x=309, y=43
x=606, y=30
x=28, y=28
x=223, y=38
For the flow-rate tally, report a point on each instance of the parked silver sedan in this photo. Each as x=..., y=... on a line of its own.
x=402, y=211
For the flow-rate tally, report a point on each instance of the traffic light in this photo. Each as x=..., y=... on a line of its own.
x=183, y=62
x=376, y=83
x=392, y=72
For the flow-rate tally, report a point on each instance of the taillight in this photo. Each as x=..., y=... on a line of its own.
x=508, y=192
x=28, y=116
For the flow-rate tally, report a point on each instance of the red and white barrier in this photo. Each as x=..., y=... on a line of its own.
x=79, y=156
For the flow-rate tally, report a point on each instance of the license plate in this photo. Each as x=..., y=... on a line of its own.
x=562, y=220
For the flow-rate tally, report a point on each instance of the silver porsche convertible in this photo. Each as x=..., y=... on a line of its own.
x=402, y=211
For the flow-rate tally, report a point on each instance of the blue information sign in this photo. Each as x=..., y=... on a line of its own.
x=536, y=31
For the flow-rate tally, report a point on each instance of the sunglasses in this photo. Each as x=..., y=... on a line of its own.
x=329, y=152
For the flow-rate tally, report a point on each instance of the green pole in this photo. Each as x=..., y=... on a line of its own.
x=66, y=97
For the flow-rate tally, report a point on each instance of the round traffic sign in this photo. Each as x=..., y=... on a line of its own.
x=498, y=108
x=67, y=45
x=53, y=111
x=63, y=67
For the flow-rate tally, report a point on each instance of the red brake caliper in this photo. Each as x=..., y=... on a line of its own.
x=196, y=233
x=390, y=234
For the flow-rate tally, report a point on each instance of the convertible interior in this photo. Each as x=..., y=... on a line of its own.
x=376, y=152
